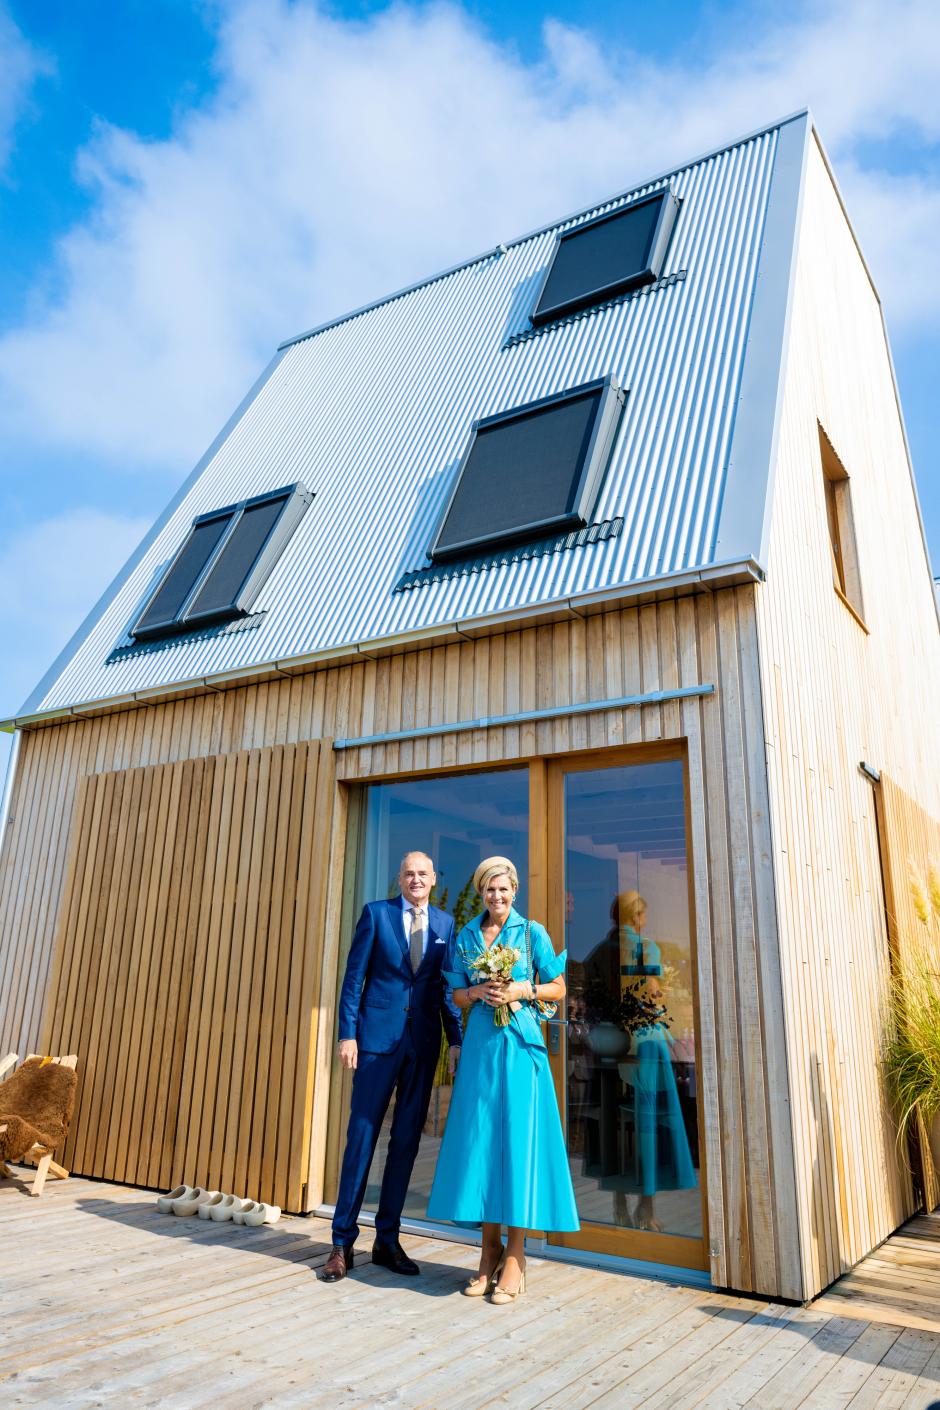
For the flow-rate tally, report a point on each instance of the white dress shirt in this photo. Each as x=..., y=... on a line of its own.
x=409, y=912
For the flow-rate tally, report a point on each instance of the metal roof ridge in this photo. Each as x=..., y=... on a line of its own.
x=707, y=576
x=503, y=246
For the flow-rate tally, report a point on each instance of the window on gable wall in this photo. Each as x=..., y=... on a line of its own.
x=533, y=470
x=222, y=564
x=607, y=256
x=841, y=524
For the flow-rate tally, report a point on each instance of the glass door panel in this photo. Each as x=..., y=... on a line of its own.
x=626, y=1069
x=458, y=819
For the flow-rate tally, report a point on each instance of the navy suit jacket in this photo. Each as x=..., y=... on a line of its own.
x=381, y=995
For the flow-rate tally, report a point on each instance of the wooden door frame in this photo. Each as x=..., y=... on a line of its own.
x=546, y=903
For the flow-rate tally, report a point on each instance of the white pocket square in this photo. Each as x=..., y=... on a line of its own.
x=439, y=942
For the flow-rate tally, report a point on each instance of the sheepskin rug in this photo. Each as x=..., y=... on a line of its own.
x=35, y=1106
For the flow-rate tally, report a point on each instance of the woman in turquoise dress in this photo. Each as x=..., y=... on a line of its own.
x=503, y=1159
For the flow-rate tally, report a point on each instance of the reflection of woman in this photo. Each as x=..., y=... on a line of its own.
x=602, y=964
x=503, y=1158
x=662, y=1159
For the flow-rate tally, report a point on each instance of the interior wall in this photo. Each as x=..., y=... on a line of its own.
x=837, y=692
x=707, y=639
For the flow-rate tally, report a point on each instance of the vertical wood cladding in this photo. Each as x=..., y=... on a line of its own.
x=186, y=969
x=837, y=691
x=203, y=768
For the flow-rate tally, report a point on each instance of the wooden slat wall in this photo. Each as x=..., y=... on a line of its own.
x=910, y=843
x=186, y=969
x=834, y=696
x=710, y=638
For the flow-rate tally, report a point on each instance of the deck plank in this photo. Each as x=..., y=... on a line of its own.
x=119, y=1305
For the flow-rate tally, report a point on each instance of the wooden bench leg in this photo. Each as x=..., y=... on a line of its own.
x=42, y=1170
x=45, y=1167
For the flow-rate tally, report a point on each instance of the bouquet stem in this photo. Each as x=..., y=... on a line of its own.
x=501, y=1016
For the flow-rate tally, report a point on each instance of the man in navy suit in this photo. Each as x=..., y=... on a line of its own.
x=393, y=1001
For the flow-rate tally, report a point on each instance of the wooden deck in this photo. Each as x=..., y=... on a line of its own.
x=898, y=1283
x=109, y=1303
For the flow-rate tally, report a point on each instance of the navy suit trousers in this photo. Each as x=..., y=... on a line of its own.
x=410, y=1076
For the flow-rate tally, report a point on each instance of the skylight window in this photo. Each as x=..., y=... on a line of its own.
x=223, y=563
x=607, y=256
x=531, y=471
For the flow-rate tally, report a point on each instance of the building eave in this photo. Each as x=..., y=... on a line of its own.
x=702, y=579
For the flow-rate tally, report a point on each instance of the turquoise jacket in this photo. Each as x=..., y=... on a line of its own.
x=545, y=964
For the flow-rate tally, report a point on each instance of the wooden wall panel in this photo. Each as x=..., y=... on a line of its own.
x=910, y=844
x=835, y=694
x=228, y=803
x=187, y=969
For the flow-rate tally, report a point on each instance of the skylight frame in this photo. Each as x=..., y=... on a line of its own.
x=297, y=499
x=659, y=244
x=596, y=458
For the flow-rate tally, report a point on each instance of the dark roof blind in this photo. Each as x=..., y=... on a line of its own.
x=607, y=256
x=221, y=589
x=223, y=564
x=533, y=470
x=188, y=565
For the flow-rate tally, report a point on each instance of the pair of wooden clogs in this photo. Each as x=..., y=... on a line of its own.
x=212, y=1204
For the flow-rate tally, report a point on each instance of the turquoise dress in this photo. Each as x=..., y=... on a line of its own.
x=662, y=1159
x=503, y=1158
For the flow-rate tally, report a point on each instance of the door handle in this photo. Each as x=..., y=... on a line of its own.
x=555, y=1025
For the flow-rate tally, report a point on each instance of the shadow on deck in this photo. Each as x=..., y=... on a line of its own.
x=113, y=1304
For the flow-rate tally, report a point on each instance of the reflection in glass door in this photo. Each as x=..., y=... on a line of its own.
x=626, y=1069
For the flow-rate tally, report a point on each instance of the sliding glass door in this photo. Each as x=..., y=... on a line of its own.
x=601, y=845
x=458, y=819
x=625, y=1061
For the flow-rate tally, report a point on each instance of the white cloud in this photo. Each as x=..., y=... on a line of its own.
x=50, y=575
x=896, y=218
x=339, y=160
x=20, y=66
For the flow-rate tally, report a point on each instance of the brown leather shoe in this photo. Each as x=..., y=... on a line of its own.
x=337, y=1265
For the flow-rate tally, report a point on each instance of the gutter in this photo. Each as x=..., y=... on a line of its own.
x=586, y=604
x=8, y=785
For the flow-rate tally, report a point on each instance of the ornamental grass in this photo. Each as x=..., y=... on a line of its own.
x=911, y=1054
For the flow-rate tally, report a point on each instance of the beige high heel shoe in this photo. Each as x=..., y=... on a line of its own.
x=483, y=1284
x=500, y=1296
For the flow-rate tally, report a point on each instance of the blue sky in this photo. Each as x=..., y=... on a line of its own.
x=182, y=184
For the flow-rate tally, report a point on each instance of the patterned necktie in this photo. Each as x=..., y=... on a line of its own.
x=417, y=938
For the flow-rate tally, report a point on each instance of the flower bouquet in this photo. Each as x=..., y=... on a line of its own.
x=496, y=963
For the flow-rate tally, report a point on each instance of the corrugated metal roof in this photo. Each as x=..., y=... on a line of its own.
x=372, y=412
